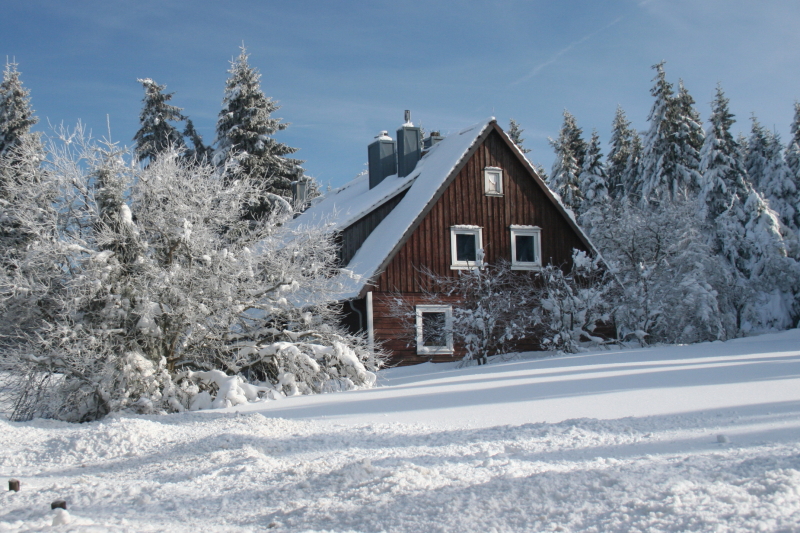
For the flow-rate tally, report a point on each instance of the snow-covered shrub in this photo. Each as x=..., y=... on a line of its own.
x=675, y=288
x=572, y=305
x=497, y=309
x=135, y=279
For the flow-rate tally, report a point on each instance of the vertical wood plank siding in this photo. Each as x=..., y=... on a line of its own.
x=353, y=236
x=464, y=202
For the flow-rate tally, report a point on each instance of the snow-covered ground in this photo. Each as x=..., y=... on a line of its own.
x=692, y=438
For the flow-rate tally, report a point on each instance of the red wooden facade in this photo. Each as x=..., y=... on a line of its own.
x=462, y=201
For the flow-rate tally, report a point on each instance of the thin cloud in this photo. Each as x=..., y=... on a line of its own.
x=538, y=68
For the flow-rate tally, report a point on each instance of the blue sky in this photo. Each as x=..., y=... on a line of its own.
x=343, y=71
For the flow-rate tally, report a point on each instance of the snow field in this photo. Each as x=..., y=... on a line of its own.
x=365, y=467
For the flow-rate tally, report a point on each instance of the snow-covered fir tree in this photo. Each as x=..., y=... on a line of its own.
x=670, y=158
x=724, y=176
x=746, y=231
x=769, y=173
x=16, y=114
x=198, y=151
x=570, y=149
x=157, y=132
x=147, y=291
x=792, y=158
x=755, y=159
x=593, y=182
x=619, y=161
x=515, y=134
x=245, y=145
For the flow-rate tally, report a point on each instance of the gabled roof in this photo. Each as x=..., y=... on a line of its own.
x=432, y=175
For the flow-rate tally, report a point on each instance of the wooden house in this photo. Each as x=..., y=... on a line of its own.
x=443, y=204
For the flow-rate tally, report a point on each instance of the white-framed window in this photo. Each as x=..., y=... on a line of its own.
x=434, y=329
x=493, y=181
x=466, y=247
x=526, y=247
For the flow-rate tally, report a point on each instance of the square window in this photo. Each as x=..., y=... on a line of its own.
x=493, y=181
x=526, y=248
x=434, y=329
x=466, y=247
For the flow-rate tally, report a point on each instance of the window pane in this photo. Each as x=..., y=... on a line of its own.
x=493, y=178
x=525, y=249
x=433, y=329
x=465, y=247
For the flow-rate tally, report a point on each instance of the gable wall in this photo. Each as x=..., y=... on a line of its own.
x=464, y=202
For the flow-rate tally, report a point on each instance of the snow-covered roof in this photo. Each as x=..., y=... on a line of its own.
x=342, y=207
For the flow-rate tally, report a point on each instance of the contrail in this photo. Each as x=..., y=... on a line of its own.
x=563, y=51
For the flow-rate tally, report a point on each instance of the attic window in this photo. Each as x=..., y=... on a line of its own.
x=466, y=247
x=526, y=247
x=493, y=181
x=434, y=329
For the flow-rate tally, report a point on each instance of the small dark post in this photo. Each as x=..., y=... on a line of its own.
x=13, y=484
x=59, y=504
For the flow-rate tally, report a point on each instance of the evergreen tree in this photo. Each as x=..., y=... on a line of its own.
x=724, y=178
x=199, y=151
x=669, y=166
x=746, y=231
x=157, y=134
x=792, y=158
x=570, y=151
x=687, y=139
x=777, y=185
x=16, y=114
x=755, y=160
x=619, y=156
x=593, y=179
x=245, y=146
x=515, y=133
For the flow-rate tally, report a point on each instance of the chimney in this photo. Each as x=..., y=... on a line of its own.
x=408, y=147
x=432, y=139
x=382, y=160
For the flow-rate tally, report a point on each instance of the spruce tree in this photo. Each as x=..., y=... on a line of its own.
x=198, y=151
x=777, y=184
x=670, y=161
x=792, y=158
x=593, y=179
x=755, y=160
x=724, y=177
x=16, y=114
x=570, y=149
x=157, y=134
x=515, y=134
x=245, y=146
x=619, y=156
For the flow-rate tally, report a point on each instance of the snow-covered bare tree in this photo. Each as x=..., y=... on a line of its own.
x=245, y=146
x=570, y=149
x=515, y=134
x=148, y=292
x=673, y=282
x=157, y=133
